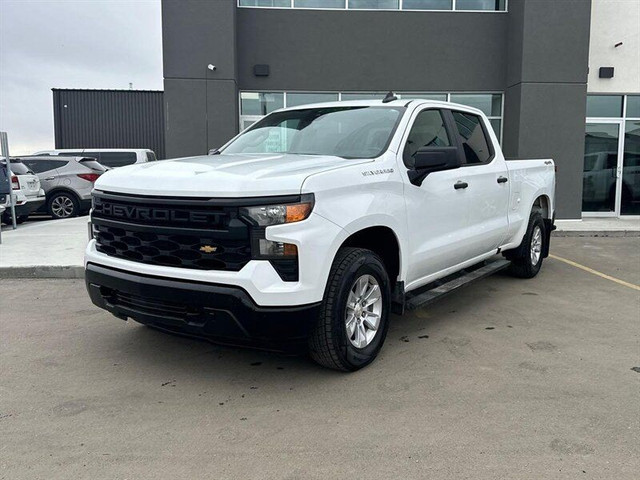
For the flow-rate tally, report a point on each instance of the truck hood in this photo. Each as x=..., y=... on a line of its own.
x=220, y=175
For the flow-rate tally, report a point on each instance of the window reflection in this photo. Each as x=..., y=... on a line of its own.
x=631, y=169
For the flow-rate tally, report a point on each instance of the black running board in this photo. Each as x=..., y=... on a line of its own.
x=451, y=284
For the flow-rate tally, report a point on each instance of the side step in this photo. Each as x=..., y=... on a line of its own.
x=440, y=289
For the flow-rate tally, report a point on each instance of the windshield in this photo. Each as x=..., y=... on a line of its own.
x=348, y=132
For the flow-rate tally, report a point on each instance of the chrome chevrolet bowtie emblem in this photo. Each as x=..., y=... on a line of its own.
x=208, y=249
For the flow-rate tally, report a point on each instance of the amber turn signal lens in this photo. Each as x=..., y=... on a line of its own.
x=290, y=250
x=298, y=212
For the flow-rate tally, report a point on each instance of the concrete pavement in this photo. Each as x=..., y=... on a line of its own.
x=44, y=248
x=507, y=379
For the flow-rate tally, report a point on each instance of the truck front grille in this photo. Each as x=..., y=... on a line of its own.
x=195, y=234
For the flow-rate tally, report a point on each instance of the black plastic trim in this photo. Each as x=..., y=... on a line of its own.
x=220, y=313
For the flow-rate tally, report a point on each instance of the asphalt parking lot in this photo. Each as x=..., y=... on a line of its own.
x=507, y=379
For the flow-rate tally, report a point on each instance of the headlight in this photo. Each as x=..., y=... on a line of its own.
x=267, y=215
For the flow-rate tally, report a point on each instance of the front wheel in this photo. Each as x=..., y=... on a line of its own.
x=526, y=260
x=354, y=316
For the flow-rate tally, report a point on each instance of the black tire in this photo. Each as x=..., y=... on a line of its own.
x=21, y=219
x=522, y=262
x=329, y=344
x=70, y=202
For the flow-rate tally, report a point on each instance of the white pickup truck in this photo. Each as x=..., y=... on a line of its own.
x=313, y=224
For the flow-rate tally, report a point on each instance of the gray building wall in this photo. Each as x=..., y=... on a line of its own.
x=536, y=54
x=109, y=119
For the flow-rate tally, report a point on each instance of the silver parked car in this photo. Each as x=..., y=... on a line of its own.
x=67, y=182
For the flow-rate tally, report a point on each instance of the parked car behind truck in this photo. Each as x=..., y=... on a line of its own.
x=25, y=186
x=67, y=183
x=109, y=157
x=313, y=223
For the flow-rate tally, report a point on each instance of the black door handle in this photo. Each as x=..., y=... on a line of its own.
x=460, y=185
x=503, y=179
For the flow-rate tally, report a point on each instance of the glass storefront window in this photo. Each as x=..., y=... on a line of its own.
x=363, y=96
x=427, y=5
x=254, y=103
x=489, y=104
x=319, y=4
x=441, y=97
x=630, y=201
x=295, y=99
x=374, y=4
x=604, y=106
x=600, y=164
x=460, y=5
x=633, y=106
x=265, y=3
x=490, y=5
x=496, y=125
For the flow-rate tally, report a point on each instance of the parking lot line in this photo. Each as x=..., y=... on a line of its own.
x=595, y=272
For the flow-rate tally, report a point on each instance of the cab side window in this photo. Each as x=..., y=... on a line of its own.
x=473, y=138
x=428, y=130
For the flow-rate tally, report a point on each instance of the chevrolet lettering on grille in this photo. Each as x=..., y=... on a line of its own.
x=133, y=212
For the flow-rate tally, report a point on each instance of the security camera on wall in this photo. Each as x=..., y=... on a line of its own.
x=211, y=67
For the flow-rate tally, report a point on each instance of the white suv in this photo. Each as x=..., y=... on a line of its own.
x=25, y=185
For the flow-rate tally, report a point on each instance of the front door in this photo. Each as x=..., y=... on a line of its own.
x=602, y=170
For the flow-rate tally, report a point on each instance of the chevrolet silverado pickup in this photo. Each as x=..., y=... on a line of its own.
x=311, y=225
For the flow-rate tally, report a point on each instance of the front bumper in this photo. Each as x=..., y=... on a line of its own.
x=221, y=313
x=317, y=240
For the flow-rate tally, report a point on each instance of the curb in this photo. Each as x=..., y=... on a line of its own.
x=593, y=233
x=42, y=271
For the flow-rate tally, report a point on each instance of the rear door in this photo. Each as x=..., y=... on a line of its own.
x=437, y=212
x=485, y=171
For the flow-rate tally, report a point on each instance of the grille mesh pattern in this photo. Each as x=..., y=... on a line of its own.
x=172, y=250
x=219, y=242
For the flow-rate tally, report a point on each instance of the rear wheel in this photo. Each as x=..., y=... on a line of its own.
x=526, y=260
x=353, y=319
x=63, y=205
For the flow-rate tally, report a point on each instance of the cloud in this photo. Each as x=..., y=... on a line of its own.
x=71, y=44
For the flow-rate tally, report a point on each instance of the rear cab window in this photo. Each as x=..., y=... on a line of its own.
x=473, y=137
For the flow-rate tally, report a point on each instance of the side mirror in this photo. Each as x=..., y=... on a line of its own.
x=433, y=159
x=214, y=151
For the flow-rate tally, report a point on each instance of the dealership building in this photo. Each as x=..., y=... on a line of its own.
x=557, y=79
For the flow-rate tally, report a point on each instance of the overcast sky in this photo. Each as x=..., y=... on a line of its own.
x=49, y=44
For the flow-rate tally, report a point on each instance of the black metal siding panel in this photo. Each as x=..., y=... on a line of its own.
x=109, y=119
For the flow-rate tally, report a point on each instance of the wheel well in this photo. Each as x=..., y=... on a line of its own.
x=382, y=241
x=542, y=203
x=52, y=192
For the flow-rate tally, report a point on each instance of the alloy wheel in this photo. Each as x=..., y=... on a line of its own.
x=364, y=310
x=62, y=206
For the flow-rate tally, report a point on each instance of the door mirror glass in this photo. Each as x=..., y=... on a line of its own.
x=433, y=159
